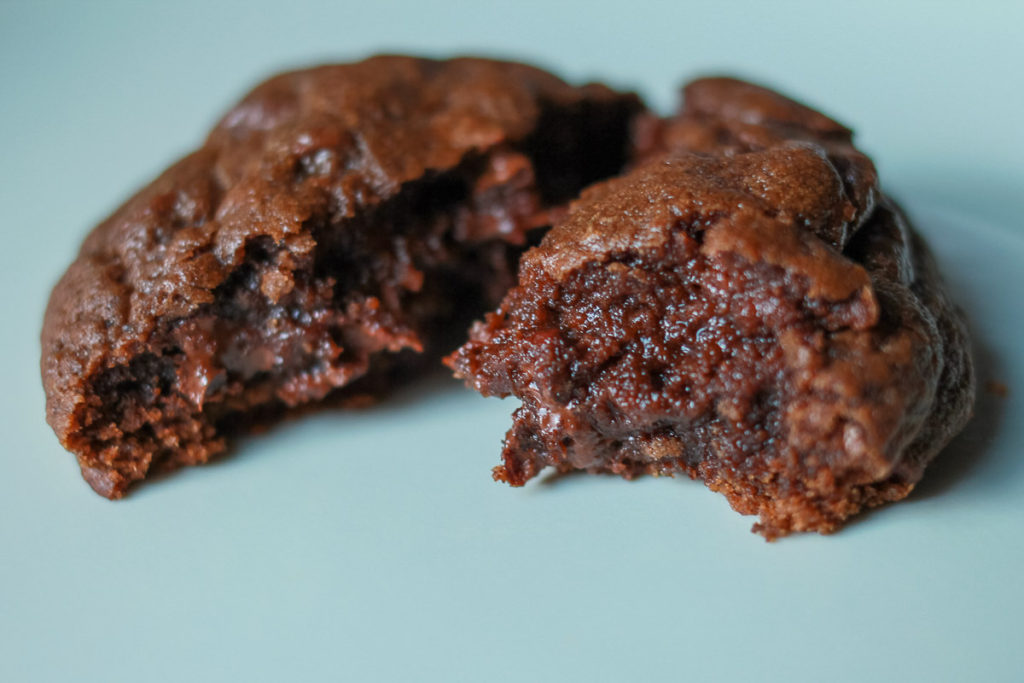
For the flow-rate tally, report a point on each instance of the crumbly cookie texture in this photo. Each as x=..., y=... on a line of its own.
x=744, y=307
x=337, y=222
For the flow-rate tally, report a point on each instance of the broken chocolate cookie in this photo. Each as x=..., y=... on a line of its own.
x=337, y=222
x=744, y=307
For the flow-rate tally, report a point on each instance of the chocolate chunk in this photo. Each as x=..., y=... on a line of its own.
x=337, y=222
x=744, y=307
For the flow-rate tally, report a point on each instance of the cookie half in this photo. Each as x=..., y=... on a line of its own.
x=338, y=223
x=744, y=307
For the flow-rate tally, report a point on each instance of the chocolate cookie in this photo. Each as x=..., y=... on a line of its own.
x=744, y=307
x=336, y=223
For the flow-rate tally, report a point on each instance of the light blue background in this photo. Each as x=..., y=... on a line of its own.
x=373, y=545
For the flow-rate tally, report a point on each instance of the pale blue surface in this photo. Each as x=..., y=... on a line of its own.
x=373, y=546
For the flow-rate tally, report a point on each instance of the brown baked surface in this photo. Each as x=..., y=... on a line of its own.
x=744, y=307
x=336, y=222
